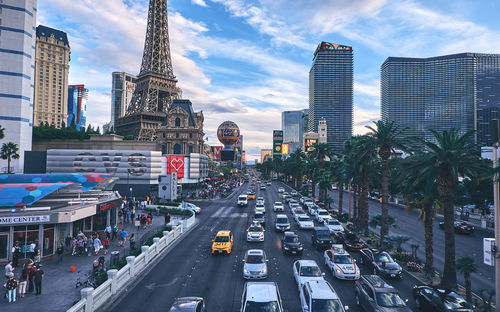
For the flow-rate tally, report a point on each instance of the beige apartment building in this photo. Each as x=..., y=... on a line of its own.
x=51, y=77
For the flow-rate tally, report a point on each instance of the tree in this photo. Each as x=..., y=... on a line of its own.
x=398, y=240
x=9, y=151
x=467, y=265
x=386, y=138
x=2, y=132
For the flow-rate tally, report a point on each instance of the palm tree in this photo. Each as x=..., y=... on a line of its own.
x=2, y=132
x=467, y=265
x=9, y=151
x=386, y=138
x=338, y=174
x=452, y=156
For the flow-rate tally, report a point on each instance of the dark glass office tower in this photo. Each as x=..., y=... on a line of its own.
x=293, y=124
x=331, y=92
x=454, y=91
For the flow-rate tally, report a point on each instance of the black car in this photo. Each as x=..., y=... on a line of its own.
x=290, y=243
x=381, y=263
x=321, y=237
x=434, y=299
x=188, y=304
x=259, y=218
x=460, y=227
x=350, y=240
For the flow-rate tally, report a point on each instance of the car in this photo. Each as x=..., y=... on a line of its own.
x=281, y=190
x=263, y=187
x=223, y=242
x=322, y=216
x=435, y=299
x=268, y=183
x=380, y=262
x=259, y=218
x=319, y=296
x=294, y=207
x=255, y=233
x=261, y=296
x=278, y=206
x=321, y=237
x=313, y=209
x=341, y=263
x=281, y=223
x=350, y=241
x=299, y=213
x=305, y=223
x=251, y=195
x=461, y=227
x=188, y=304
x=374, y=294
x=255, y=266
x=260, y=200
x=294, y=193
x=293, y=201
x=307, y=202
x=260, y=208
x=287, y=198
x=306, y=270
x=189, y=206
x=242, y=200
x=285, y=194
x=290, y=243
x=334, y=226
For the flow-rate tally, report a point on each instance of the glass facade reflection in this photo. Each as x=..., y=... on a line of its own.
x=293, y=124
x=459, y=91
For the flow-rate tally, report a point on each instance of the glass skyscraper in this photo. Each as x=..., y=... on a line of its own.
x=459, y=91
x=331, y=92
x=77, y=106
x=293, y=124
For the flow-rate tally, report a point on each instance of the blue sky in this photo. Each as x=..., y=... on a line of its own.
x=248, y=60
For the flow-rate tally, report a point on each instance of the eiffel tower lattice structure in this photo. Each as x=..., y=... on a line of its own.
x=156, y=84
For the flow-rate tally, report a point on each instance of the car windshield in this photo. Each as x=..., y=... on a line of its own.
x=255, y=229
x=255, y=259
x=242, y=198
x=278, y=204
x=299, y=211
x=389, y=300
x=291, y=239
x=252, y=306
x=323, y=233
x=259, y=216
x=452, y=301
x=333, y=222
x=342, y=259
x=222, y=239
x=323, y=213
x=383, y=257
x=304, y=219
x=352, y=237
x=326, y=305
x=310, y=271
x=282, y=220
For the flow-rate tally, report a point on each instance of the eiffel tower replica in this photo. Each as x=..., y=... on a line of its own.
x=156, y=84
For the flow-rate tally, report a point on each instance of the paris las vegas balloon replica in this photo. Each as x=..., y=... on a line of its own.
x=228, y=134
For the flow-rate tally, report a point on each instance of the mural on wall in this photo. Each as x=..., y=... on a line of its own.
x=175, y=163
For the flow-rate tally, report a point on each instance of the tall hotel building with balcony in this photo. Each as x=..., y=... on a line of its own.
x=459, y=91
x=51, y=72
x=331, y=92
x=123, y=87
x=17, y=64
x=293, y=124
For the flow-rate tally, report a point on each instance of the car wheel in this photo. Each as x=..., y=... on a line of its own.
x=417, y=303
x=357, y=300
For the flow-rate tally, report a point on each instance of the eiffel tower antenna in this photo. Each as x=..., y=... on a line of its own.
x=156, y=84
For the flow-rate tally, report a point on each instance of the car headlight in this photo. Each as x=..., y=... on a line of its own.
x=285, y=247
x=245, y=271
x=263, y=271
x=300, y=248
x=338, y=271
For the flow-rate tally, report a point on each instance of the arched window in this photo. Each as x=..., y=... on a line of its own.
x=177, y=122
x=177, y=148
x=190, y=149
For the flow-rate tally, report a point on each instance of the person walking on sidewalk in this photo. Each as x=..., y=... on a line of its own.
x=67, y=243
x=23, y=281
x=90, y=245
x=132, y=242
x=16, y=253
x=31, y=275
x=106, y=245
x=60, y=252
x=8, y=269
x=38, y=279
x=32, y=250
x=167, y=218
x=108, y=231
x=74, y=244
x=115, y=231
x=123, y=238
x=97, y=245
x=11, y=286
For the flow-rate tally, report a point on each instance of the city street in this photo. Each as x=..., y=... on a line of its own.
x=190, y=269
x=409, y=224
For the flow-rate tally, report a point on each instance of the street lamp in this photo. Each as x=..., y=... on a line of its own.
x=131, y=193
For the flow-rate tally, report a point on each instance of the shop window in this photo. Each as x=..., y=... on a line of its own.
x=100, y=221
x=87, y=224
x=25, y=235
x=48, y=240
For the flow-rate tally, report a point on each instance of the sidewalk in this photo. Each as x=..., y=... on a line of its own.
x=58, y=287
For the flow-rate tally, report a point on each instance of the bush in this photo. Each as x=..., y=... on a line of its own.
x=168, y=203
x=403, y=257
x=412, y=266
x=101, y=278
x=120, y=264
x=343, y=217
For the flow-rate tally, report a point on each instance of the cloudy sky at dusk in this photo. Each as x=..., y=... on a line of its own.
x=248, y=60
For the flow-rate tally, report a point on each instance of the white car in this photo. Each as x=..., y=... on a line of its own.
x=260, y=208
x=306, y=270
x=189, y=206
x=341, y=263
x=255, y=266
x=305, y=223
x=297, y=212
x=281, y=190
x=282, y=224
x=242, y=200
x=318, y=296
x=255, y=233
x=323, y=216
x=307, y=202
x=334, y=226
x=261, y=296
x=312, y=210
x=260, y=200
x=278, y=206
x=294, y=193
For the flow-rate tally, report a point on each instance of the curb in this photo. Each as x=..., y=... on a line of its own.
x=117, y=298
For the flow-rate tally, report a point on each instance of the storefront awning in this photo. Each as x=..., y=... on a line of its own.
x=25, y=194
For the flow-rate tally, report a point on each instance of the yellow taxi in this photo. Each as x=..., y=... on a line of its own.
x=251, y=195
x=223, y=242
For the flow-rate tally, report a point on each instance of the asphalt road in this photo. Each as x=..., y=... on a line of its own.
x=190, y=269
x=408, y=223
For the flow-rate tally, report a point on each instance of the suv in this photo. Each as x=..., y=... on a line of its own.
x=259, y=217
x=261, y=296
x=242, y=200
x=319, y=296
x=374, y=294
x=290, y=243
x=223, y=242
x=282, y=223
x=381, y=263
x=321, y=237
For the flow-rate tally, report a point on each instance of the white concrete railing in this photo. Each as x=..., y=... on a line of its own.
x=93, y=299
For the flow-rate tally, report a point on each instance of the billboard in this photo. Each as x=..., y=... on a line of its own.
x=284, y=149
x=308, y=144
x=277, y=141
x=175, y=164
x=216, y=151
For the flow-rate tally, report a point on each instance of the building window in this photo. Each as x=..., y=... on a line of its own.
x=177, y=135
x=190, y=135
x=177, y=122
x=190, y=149
x=177, y=148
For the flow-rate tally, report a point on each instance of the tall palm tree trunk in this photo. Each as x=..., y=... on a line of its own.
x=355, y=193
x=384, y=227
x=468, y=286
x=8, y=164
x=429, y=235
x=363, y=203
x=341, y=198
x=447, y=189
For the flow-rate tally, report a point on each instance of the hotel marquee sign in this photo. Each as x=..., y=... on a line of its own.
x=24, y=219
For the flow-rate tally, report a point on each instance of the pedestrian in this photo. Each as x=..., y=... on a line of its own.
x=32, y=250
x=106, y=245
x=36, y=257
x=123, y=237
x=132, y=215
x=60, y=252
x=74, y=245
x=115, y=231
x=81, y=246
x=31, y=275
x=90, y=245
x=38, y=279
x=67, y=243
x=97, y=245
x=129, y=214
x=108, y=231
x=11, y=286
x=23, y=281
x=143, y=221
x=167, y=218
x=16, y=253
x=80, y=234
x=150, y=220
x=132, y=242
x=137, y=222
x=8, y=269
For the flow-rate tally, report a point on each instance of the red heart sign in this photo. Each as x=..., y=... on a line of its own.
x=177, y=163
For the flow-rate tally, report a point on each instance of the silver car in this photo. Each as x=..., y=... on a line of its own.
x=255, y=266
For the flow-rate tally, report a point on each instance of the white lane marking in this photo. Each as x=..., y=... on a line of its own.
x=152, y=286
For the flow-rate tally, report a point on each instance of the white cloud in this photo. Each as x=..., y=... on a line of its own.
x=199, y=2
